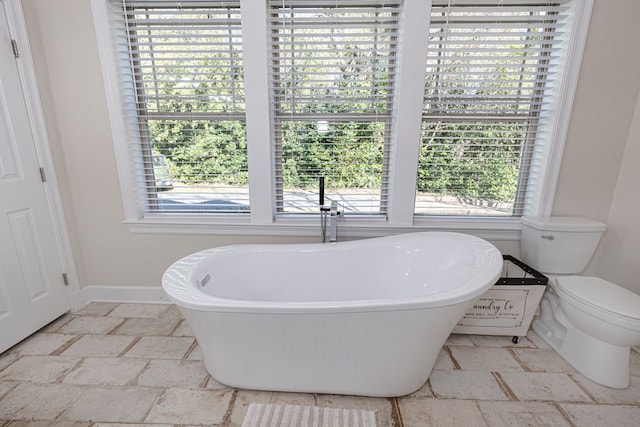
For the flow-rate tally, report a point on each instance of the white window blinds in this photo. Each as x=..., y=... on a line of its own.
x=181, y=70
x=332, y=74
x=489, y=90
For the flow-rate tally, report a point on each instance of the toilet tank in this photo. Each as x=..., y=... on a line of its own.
x=559, y=245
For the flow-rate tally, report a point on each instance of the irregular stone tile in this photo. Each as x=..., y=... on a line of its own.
x=184, y=330
x=138, y=326
x=485, y=359
x=7, y=359
x=160, y=348
x=196, y=354
x=58, y=323
x=602, y=415
x=381, y=406
x=500, y=341
x=105, y=371
x=5, y=387
x=542, y=360
x=38, y=369
x=536, y=340
x=544, y=386
x=173, y=373
x=96, y=309
x=443, y=362
x=602, y=394
x=284, y=398
x=112, y=404
x=440, y=413
x=185, y=406
x=99, y=346
x=459, y=340
x=213, y=384
x=42, y=344
x=466, y=385
x=424, y=391
x=173, y=312
x=507, y=414
x=139, y=310
x=38, y=401
x=90, y=325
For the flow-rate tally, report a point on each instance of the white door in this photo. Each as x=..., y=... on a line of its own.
x=32, y=290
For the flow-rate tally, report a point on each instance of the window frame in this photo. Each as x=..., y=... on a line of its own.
x=400, y=216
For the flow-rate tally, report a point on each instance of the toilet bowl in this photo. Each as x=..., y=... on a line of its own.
x=594, y=338
x=590, y=322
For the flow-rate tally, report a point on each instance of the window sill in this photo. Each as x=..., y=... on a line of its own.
x=349, y=227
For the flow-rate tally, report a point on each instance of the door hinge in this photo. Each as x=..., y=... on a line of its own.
x=43, y=176
x=14, y=46
x=65, y=279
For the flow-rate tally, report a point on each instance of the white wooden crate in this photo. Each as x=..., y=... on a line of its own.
x=508, y=307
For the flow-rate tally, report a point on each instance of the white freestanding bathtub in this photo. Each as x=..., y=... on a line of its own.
x=365, y=317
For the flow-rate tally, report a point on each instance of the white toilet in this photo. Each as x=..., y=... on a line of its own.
x=590, y=322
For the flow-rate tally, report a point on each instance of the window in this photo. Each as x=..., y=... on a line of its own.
x=182, y=72
x=333, y=71
x=489, y=78
x=442, y=114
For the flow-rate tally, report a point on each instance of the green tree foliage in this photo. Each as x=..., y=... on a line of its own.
x=470, y=160
x=203, y=151
x=349, y=154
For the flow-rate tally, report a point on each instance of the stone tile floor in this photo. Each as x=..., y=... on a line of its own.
x=138, y=364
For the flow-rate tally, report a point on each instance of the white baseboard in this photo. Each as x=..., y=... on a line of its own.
x=131, y=294
x=78, y=299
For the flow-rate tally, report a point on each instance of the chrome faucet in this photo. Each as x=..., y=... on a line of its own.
x=333, y=213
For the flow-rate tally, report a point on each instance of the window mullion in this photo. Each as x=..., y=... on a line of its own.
x=409, y=99
x=259, y=150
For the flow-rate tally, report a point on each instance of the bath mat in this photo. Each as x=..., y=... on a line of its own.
x=270, y=415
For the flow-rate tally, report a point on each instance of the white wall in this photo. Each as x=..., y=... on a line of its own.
x=603, y=109
x=70, y=82
x=600, y=129
x=619, y=256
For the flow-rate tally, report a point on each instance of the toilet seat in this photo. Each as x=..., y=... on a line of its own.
x=604, y=299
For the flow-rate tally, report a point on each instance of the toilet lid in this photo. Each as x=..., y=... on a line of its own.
x=600, y=293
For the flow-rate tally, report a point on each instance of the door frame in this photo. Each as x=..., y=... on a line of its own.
x=29, y=86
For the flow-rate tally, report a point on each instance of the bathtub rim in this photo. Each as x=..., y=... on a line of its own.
x=178, y=283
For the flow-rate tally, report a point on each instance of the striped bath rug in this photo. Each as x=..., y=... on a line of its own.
x=271, y=415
